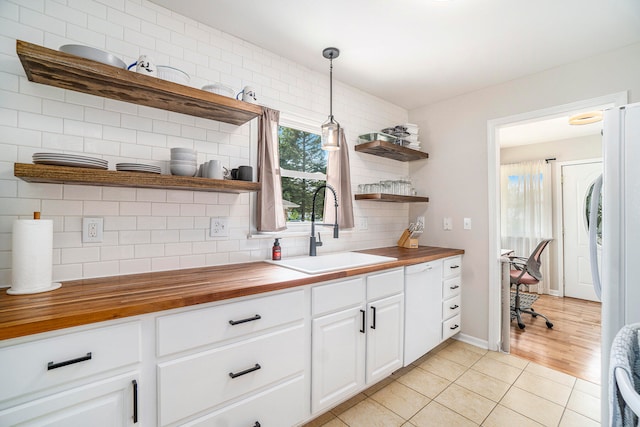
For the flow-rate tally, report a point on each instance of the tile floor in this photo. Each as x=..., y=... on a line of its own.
x=458, y=384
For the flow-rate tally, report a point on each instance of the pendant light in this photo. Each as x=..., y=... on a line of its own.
x=330, y=128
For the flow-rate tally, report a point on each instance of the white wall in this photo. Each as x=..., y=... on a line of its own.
x=455, y=177
x=150, y=230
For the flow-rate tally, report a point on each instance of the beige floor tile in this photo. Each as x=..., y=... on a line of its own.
x=573, y=419
x=543, y=371
x=531, y=406
x=370, y=413
x=505, y=417
x=484, y=385
x=498, y=370
x=424, y=382
x=543, y=387
x=436, y=415
x=401, y=399
x=442, y=367
x=584, y=404
x=402, y=371
x=588, y=387
x=336, y=422
x=321, y=420
x=349, y=403
x=379, y=386
x=461, y=355
x=468, y=347
x=466, y=403
x=508, y=359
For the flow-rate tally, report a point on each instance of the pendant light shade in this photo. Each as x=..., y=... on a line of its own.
x=330, y=128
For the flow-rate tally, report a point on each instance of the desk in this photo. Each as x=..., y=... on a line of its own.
x=507, y=252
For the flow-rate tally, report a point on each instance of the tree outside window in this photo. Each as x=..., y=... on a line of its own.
x=303, y=165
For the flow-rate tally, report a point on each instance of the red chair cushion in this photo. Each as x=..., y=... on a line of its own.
x=526, y=278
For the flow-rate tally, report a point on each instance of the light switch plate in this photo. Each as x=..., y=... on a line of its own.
x=364, y=224
x=447, y=223
x=467, y=224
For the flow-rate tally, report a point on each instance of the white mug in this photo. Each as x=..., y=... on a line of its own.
x=213, y=169
x=145, y=65
x=248, y=94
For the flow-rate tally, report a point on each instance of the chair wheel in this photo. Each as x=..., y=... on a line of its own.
x=549, y=325
x=521, y=325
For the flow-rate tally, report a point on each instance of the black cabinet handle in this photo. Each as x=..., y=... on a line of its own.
x=246, y=371
x=257, y=424
x=454, y=307
x=373, y=321
x=248, y=319
x=454, y=266
x=454, y=287
x=52, y=365
x=454, y=327
x=362, y=312
x=135, y=401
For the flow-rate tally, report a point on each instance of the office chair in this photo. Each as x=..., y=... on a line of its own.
x=526, y=272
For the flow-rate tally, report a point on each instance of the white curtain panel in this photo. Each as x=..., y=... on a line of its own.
x=526, y=211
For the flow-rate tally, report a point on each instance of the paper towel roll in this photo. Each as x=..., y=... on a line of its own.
x=32, y=257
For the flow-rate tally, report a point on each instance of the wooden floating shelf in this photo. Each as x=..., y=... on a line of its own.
x=86, y=176
x=55, y=68
x=394, y=198
x=391, y=151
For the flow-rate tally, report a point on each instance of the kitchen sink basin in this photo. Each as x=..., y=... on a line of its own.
x=331, y=262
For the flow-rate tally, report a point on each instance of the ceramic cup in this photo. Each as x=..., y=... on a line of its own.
x=213, y=169
x=248, y=94
x=245, y=173
x=145, y=65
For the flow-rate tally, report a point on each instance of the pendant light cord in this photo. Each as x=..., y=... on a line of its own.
x=331, y=88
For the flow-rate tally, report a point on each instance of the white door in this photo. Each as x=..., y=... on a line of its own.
x=576, y=183
x=337, y=359
x=385, y=337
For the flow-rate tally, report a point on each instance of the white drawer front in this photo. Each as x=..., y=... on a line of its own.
x=283, y=405
x=451, y=287
x=195, y=328
x=40, y=364
x=451, y=307
x=333, y=296
x=195, y=383
x=451, y=327
x=452, y=267
x=385, y=284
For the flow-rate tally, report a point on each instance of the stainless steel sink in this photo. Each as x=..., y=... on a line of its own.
x=331, y=262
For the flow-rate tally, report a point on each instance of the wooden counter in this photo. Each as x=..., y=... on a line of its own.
x=80, y=302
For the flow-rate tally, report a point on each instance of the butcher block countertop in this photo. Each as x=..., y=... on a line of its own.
x=85, y=301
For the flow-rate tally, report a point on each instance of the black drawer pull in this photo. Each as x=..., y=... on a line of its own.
x=454, y=266
x=246, y=371
x=373, y=321
x=248, y=319
x=456, y=326
x=52, y=365
x=257, y=424
x=454, y=287
x=135, y=401
x=454, y=307
x=363, y=322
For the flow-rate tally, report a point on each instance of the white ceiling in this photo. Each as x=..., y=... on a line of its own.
x=417, y=52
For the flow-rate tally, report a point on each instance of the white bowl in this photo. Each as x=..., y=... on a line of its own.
x=184, y=156
x=183, y=150
x=183, y=170
x=220, y=89
x=93, y=54
x=173, y=74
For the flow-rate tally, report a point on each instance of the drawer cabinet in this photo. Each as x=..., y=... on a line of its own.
x=451, y=296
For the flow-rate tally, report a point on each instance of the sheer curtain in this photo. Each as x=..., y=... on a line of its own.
x=270, y=209
x=339, y=177
x=526, y=211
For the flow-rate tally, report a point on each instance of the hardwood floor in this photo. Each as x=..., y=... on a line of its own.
x=571, y=346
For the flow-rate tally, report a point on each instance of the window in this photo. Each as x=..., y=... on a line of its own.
x=303, y=166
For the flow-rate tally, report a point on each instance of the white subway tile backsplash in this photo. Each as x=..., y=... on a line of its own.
x=82, y=192
x=165, y=209
x=62, y=142
x=165, y=263
x=67, y=272
x=150, y=250
x=101, y=269
x=119, y=193
x=152, y=223
x=192, y=235
x=177, y=249
x=8, y=188
x=75, y=127
x=164, y=236
x=61, y=207
x=100, y=208
x=129, y=121
x=110, y=253
x=133, y=237
x=102, y=147
x=123, y=19
x=119, y=223
x=180, y=223
x=136, y=151
x=80, y=255
x=82, y=34
x=179, y=196
x=20, y=101
x=67, y=239
x=65, y=13
x=192, y=210
x=130, y=266
x=192, y=261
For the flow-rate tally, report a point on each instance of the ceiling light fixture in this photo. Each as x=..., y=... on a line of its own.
x=330, y=128
x=585, y=118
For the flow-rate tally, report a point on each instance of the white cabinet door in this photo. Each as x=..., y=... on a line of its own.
x=338, y=357
x=385, y=337
x=106, y=403
x=423, y=309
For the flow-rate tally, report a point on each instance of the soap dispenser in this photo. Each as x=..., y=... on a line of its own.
x=276, y=251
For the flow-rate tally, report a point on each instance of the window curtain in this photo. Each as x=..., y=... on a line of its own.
x=270, y=209
x=339, y=177
x=526, y=211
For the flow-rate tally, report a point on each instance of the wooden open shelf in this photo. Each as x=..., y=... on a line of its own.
x=391, y=151
x=85, y=176
x=383, y=197
x=55, y=68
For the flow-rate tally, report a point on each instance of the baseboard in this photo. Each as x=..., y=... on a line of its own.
x=555, y=293
x=472, y=340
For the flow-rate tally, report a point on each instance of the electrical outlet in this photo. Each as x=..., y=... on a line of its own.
x=92, y=230
x=467, y=223
x=420, y=220
x=219, y=227
x=447, y=223
x=364, y=224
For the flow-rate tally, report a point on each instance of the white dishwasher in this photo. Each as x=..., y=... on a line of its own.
x=422, y=309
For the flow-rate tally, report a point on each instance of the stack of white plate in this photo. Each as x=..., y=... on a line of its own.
x=137, y=167
x=184, y=161
x=59, y=159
